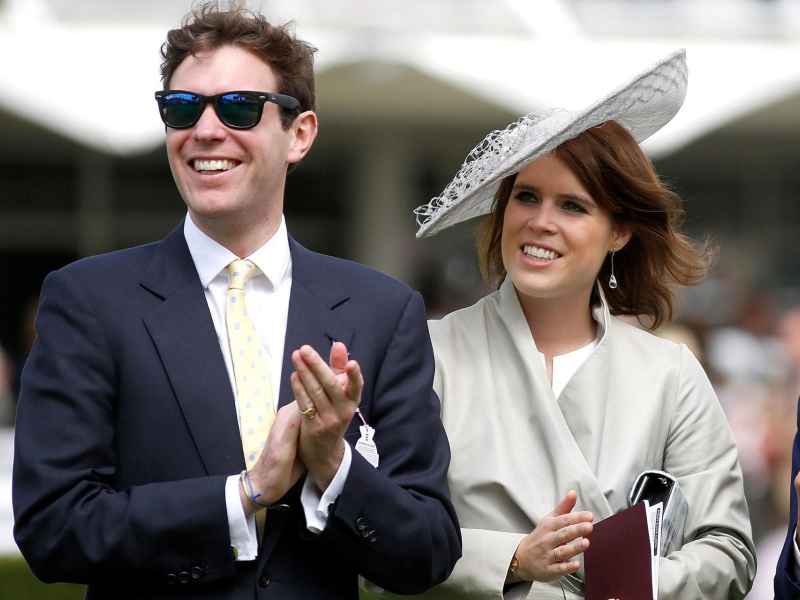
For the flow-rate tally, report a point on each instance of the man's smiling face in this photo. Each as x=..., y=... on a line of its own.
x=222, y=173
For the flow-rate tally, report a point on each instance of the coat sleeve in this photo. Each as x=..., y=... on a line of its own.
x=396, y=523
x=71, y=521
x=717, y=559
x=481, y=573
x=787, y=585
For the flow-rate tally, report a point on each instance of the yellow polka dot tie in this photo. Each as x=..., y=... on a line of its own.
x=250, y=365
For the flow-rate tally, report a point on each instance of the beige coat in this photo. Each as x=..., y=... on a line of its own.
x=639, y=402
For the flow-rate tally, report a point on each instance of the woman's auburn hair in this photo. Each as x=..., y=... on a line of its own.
x=621, y=179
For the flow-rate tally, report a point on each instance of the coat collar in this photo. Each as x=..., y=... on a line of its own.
x=172, y=269
x=510, y=305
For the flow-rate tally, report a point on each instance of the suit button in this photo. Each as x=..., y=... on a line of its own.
x=184, y=577
x=197, y=573
x=263, y=581
x=372, y=539
x=172, y=579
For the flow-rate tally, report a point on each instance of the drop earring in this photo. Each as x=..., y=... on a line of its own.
x=612, y=281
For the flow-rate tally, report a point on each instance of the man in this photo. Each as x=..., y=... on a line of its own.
x=156, y=376
x=787, y=574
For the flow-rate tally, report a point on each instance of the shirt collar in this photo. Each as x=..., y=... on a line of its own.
x=210, y=257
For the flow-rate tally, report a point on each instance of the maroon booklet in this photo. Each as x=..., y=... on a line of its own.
x=617, y=563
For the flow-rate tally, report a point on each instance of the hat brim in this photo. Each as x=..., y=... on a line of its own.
x=643, y=105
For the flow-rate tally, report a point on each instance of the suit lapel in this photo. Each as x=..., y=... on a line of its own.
x=185, y=339
x=312, y=317
x=311, y=320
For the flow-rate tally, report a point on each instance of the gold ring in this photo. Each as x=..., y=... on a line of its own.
x=309, y=413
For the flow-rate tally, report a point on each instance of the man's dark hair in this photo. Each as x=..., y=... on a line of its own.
x=208, y=28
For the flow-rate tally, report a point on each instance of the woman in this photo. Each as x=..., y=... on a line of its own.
x=552, y=405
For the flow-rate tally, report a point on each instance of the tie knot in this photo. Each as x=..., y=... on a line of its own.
x=239, y=273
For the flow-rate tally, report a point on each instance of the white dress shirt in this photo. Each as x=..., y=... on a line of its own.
x=267, y=301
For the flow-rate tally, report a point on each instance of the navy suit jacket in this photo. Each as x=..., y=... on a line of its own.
x=786, y=586
x=126, y=431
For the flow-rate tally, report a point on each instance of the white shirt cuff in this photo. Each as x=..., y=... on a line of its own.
x=244, y=539
x=315, y=506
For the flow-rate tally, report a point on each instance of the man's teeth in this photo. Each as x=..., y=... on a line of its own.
x=213, y=165
x=541, y=253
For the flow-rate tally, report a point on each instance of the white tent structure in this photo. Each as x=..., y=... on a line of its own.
x=92, y=82
x=83, y=74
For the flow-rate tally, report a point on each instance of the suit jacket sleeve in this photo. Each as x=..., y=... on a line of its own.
x=396, y=523
x=718, y=556
x=786, y=585
x=71, y=521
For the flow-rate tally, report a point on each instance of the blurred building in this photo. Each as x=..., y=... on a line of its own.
x=405, y=90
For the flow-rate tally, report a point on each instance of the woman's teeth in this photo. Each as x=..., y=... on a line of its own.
x=539, y=253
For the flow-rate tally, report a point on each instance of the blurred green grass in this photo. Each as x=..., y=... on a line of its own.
x=18, y=583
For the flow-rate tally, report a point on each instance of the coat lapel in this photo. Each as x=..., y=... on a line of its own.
x=311, y=320
x=312, y=317
x=573, y=469
x=185, y=339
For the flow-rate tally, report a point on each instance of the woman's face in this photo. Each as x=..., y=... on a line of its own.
x=555, y=237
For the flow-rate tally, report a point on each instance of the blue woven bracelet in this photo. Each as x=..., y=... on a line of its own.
x=244, y=477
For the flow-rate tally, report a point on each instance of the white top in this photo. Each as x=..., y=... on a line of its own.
x=267, y=302
x=566, y=365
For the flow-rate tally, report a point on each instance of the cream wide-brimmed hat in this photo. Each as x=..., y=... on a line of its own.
x=643, y=106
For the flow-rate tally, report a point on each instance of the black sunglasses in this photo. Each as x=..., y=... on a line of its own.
x=180, y=109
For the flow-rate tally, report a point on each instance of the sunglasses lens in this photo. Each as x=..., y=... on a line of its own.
x=241, y=111
x=180, y=109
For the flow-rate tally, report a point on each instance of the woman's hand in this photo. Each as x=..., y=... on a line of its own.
x=548, y=551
